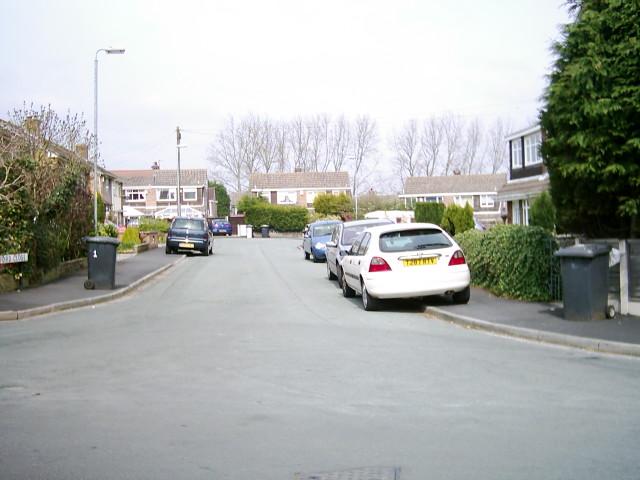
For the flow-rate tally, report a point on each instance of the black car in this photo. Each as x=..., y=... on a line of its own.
x=189, y=234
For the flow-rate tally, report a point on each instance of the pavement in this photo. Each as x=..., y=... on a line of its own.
x=132, y=271
x=542, y=322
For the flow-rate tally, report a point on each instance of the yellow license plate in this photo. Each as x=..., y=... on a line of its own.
x=185, y=245
x=417, y=262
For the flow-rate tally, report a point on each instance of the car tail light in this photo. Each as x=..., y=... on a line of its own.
x=379, y=265
x=457, y=258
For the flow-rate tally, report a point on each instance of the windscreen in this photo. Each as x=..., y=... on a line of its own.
x=322, y=230
x=189, y=223
x=412, y=240
x=352, y=231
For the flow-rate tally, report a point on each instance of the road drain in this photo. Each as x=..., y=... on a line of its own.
x=362, y=473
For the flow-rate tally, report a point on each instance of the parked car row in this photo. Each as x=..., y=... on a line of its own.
x=379, y=259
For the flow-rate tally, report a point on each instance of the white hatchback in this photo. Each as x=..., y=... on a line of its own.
x=404, y=261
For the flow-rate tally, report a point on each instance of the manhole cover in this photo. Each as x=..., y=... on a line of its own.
x=362, y=473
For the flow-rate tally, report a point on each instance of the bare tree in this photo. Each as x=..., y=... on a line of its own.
x=470, y=163
x=340, y=142
x=226, y=156
x=431, y=144
x=299, y=141
x=364, y=145
x=496, y=148
x=452, y=129
x=268, y=149
x=250, y=138
x=316, y=145
x=281, y=137
x=406, y=145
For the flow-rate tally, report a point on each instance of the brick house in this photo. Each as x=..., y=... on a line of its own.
x=528, y=175
x=479, y=191
x=298, y=188
x=150, y=191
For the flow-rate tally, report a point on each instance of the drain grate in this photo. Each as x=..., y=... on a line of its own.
x=362, y=473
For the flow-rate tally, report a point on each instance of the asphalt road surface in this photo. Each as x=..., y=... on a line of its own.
x=249, y=364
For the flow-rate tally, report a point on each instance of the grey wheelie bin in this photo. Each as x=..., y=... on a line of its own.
x=584, y=281
x=264, y=230
x=101, y=253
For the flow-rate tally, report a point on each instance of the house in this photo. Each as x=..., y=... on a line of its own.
x=528, y=175
x=298, y=188
x=151, y=191
x=479, y=191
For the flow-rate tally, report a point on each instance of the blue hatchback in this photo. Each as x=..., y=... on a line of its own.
x=219, y=226
x=316, y=235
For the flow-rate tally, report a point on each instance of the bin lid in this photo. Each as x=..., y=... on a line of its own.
x=586, y=250
x=111, y=240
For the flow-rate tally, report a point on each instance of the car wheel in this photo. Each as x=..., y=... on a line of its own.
x=339, y=275
x=462, y=297
x=347, y=291
x=316, y=259
x=167, y=250
x=368, y=302
x=306, y=255
x=330, y=274
x=205, y=252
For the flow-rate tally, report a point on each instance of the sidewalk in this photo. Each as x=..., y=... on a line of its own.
x=69, y=292
x=541, y=322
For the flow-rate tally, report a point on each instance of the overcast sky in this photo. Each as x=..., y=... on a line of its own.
x=193, y=63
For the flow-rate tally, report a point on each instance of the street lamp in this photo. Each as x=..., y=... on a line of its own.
x=108, y=51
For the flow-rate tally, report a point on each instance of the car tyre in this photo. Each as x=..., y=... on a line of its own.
x=167, y=250
x=339, y=275
x=205, y=252
x=368, y=302
x=347, y=291
x=330, y=274
x=306, y=255
x=462, y=297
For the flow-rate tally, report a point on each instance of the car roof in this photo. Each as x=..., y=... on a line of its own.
x=368, y=221
x=399, y=227
x=325, y=222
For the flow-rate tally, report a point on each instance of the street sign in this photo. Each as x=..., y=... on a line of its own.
x=14, y=258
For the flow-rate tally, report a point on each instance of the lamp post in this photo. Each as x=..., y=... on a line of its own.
x=108, y=51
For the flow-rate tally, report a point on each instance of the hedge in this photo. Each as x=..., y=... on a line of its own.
x=457, y=219
x=278, y=217
x=429, y=212
x=515, y=261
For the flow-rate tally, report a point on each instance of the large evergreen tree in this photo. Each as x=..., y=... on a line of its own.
x=591, y=120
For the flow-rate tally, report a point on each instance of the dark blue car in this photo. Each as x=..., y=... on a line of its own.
x=316, y=235
x=219, y=226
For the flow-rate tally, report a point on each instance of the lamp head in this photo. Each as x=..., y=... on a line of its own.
x=114, y=51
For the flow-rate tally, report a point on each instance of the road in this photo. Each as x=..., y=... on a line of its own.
x=249, y=364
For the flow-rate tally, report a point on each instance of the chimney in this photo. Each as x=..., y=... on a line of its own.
x=457, y=171
x=298, y=170
x=32, y=125
x=82, y=150
x=155, y=166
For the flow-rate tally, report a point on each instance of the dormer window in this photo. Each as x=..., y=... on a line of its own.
x=532, y=145
x=516, y=153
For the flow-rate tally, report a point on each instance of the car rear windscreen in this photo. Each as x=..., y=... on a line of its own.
x=322, y=230
x=351, y=232
x=189, y=223
x=412, y=240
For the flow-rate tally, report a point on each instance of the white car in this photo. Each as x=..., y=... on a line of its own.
x=403, y=261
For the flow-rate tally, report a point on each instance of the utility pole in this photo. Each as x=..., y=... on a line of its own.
x=178, y=137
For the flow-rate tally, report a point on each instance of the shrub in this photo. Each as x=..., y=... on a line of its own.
x=329, y=204
x=247, y=202
x=429, y=212
x=510, y=260
x=280, y=218
x=107, y=230
x=456, y=219
x=148, y=224
x=542, y=213
x=131, y=236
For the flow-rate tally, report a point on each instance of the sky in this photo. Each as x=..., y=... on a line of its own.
x=193, y=63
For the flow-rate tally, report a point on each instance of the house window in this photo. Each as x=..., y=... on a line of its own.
x=520, y=212
x=516, y=154
x=532, y=149
x=135, y=194
x=486, y=201
x=462, y=200
x=189, y=194
x=311, y=196
x=287, y=198
x=166, y=194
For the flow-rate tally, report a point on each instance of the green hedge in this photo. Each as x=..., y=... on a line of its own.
x=429, y=212
x=457, y=219
x=148, y=224
x=511, y=260
x=278, y=217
